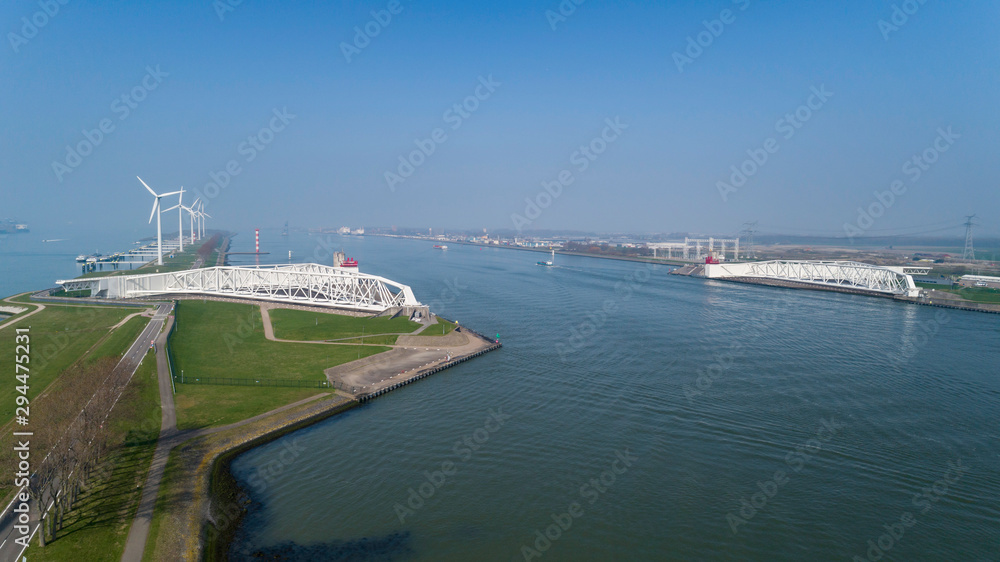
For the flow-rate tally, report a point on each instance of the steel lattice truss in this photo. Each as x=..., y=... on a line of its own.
x=310, y=284
x=836, y=273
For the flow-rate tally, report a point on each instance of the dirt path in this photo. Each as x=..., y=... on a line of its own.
x=40, y=308
x=431, y=341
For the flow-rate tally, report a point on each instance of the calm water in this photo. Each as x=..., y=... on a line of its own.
x=35, y=260
x=883, y=401
x=910, y=392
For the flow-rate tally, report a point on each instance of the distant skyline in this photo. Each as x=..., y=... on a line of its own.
x=872, y=118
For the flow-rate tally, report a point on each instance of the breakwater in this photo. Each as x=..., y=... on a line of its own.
x=426, y=373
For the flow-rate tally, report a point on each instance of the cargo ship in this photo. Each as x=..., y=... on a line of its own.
x=7, y=226
x=550, y=262
x=440, y=247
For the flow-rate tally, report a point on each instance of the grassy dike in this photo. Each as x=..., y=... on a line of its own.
x=984, y=295
x=98, y=525
x=60, y=336
x=70, y=344
x=226, y=340
x=197, y=482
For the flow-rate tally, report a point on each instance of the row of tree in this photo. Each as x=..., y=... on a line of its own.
x=78, y=457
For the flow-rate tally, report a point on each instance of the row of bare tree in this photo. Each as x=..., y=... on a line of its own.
x=78, y=458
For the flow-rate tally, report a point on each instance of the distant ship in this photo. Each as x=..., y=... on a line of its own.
x=7, y=226
x=551, y=261
x=440, y=247
x=349, y=262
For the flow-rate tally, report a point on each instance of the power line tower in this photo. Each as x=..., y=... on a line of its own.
x=969, y=253
x=747, y=232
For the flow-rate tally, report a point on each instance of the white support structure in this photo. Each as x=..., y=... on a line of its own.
x=840, y=274
x=309, y=284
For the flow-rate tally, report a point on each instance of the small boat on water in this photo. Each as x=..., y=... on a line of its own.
x=550, y=262
x=440, y=247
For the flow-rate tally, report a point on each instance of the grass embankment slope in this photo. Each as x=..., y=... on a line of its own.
x=60, y=336
x=306, y=325
x=443, y=328
x=222, y=339
x=974, y=294
x=69, y=345
x=98, y=525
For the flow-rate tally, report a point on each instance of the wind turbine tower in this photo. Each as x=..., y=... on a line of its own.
x=969, y=253
x=156, y=211
x=180, y=219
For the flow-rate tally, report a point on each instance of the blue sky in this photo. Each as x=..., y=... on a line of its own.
x=553, y=90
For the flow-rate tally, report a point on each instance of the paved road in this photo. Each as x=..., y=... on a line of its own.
x=10, y=550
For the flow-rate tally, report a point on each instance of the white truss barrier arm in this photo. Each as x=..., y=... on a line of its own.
x=830, y=273
x=311, y=284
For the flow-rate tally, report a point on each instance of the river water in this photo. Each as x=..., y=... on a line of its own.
x=634, y=415
x=631, y=415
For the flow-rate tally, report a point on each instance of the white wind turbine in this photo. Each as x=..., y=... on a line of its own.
x=156, y=208
x=180, y=219
x=202, y=215
x=193, y=214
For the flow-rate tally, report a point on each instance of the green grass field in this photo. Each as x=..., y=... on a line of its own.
x=974, y=294
x=98, y=525
x=201, y=406
x=120, y=340
x=443, y=328
x=221, y=339
x=304, y=325
x=60, y=335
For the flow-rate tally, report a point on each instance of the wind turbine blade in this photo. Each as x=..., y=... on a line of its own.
x=171, y=208
x=206, y=215
x=156, y=203
x=195, y=204
x=181, y=198
x=147, y=187
x=171, y=193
